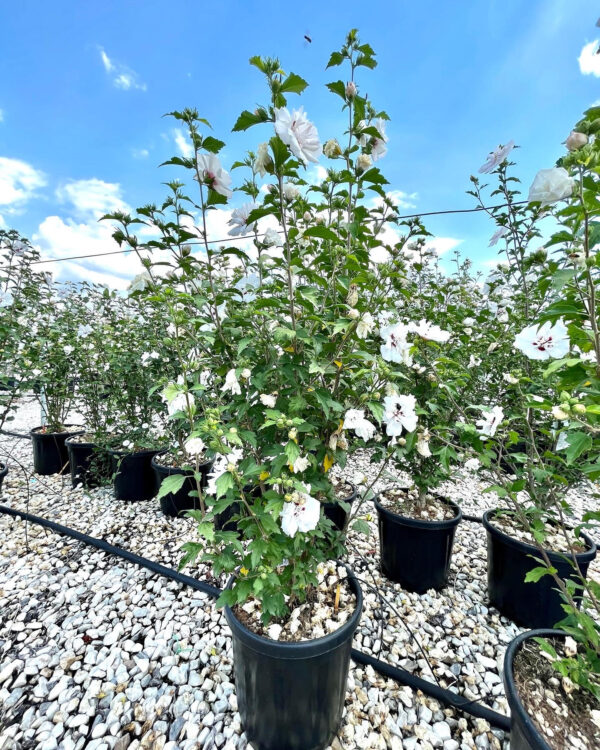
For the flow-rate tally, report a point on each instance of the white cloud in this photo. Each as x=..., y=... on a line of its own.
x=1, y=115
x=18, y=183
x=140, y=153
x=92, y=198
x=403, y=200
x=185, y=147
x=442, y=245
x=79, y=232
x=589, y=61
x=122, y=76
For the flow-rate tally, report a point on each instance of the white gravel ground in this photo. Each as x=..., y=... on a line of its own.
x=99, y=653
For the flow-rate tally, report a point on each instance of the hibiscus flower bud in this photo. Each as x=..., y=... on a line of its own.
x=245, y=373
x=351, y=90
x=579, y=409
x=293, y=434
x=576, y=140
x=332, y=148
x=307, y=216
x=560, y=412
x=353, y=313
x=401, y=442
x=352, y=297
x=319, y=219
x=363, y=163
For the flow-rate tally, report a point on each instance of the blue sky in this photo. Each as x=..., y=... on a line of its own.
x=83, y=86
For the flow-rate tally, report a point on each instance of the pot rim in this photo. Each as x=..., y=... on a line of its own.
x=420, y=523
x=348, y=499
x=532, y=733
x=298, y=649
x=178, y=469
x=124, y=453
x=586, y=556
x=33, y=431
x=69, y=441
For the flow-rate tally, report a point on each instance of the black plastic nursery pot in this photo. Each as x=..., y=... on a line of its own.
x=50, y=455
x=3, y=473
x=178, y=502
x=531, y=605
x=89, y=467
x=291, y=695
x=135, y=479
x=335, y=513
x=524, y=735
x=416, y=553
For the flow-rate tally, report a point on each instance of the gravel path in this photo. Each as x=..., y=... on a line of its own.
x=98, y=653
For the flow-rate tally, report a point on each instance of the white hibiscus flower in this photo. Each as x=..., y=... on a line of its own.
x=297, y=132
x=490, y=421
x=231, y=383
x=212, y=174
x=496, y=157
x=354, y=419
x=429, y=331
x=239, y=220
x=399, y=413
x=301, y=514
x=396, y=348
x=365, y=325
x=544, y=342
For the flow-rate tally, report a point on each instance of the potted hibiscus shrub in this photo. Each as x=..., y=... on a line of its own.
x=48, y=355
x=137, y=363
x=523, y=431
x=286, y=347
x=416, y=523
x=19, y=292
x=555, y=409
x=98, y=312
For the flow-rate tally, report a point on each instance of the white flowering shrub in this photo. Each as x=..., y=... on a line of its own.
x=19, y=295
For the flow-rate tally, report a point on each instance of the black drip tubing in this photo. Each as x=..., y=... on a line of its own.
x=447, y=697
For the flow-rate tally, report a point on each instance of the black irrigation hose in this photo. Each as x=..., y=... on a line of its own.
x=447, y=697
x=100, y=544
x=15, y=434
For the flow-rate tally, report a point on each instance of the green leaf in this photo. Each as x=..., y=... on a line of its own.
x=323, y=233
x=361, y=527
x=248, y=119
x=336, y=59
x=206, y=530
x=293, y=84
x=533, y=576
x=214, y=145
x=579, y=442
x=292, y=451
x=172, y=483
x=338, y=87
x=280, y=152
x=224, y=483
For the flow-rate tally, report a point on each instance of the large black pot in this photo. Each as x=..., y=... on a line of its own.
x=291, y=695
x=90, y=466
x=50, y=454
x=524, y=735
x=531, y=605
x=416, y=553
x=134, y=477
x=3, y=473
x=178, y=502
x=334, y=511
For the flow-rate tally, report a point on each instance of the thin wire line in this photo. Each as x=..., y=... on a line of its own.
x=252, y=236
